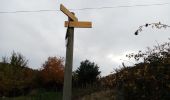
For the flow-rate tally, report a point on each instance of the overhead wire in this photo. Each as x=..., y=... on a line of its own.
x=144, y=5
x=27, y=11
x=90, y=8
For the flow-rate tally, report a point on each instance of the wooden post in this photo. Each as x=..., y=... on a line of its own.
x=70, y=24
x=67, y=90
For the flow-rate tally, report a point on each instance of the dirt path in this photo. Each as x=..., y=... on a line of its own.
x=102, y=95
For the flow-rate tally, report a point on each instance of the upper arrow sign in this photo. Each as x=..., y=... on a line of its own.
x=68, y=13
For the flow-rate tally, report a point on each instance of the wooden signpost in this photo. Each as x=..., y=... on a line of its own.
x=70, y=24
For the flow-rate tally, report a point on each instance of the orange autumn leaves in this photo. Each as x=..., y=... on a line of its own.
x=53, y=70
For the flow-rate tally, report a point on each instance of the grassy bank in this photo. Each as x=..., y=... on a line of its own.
x=41, y=94
x=38, y=96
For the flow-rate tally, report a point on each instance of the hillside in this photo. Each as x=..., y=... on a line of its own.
x=147, y=80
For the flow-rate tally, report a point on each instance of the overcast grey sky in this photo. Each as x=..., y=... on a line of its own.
x=38, y=35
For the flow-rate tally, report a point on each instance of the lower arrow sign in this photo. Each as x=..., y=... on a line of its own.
x=78, y=24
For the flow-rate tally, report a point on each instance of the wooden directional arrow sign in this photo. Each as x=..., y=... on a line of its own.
x=75, y=23
x=68, y=13
x=78, y=24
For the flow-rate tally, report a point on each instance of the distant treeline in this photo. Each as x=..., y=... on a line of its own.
x=16, y=78
x=149, y=79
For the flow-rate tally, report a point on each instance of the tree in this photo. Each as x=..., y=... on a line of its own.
x=160, y=53
x=52, y=73
x=149, y=79
x=18, y=60
x=87, y=73
x=15, y=77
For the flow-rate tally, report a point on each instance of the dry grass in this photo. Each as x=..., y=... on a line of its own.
x=102, y=95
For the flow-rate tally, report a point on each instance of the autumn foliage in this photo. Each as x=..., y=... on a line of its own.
x=52, y=72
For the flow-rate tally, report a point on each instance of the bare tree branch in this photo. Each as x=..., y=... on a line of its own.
x=158, y=25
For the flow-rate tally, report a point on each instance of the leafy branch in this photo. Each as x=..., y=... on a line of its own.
x=158, y=25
